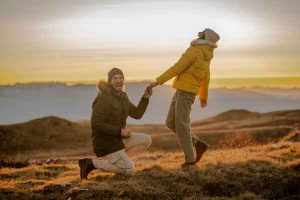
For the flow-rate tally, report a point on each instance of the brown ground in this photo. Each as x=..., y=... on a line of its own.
x=252, y=156
x=260, y=172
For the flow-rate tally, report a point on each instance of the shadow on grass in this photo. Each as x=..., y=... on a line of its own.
x=260, y=179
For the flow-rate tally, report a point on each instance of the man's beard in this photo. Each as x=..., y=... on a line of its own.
x=119, y=86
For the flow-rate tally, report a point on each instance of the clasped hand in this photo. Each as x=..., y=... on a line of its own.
x=149, y=90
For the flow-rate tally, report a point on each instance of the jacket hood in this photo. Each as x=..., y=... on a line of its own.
x=206, y=47
x=203, y=41
x=102, y=86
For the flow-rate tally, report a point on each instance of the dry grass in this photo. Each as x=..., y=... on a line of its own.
x=260, y=172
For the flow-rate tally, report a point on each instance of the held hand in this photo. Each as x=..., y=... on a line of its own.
x=203, y=103
x=148, y=92
x=153, y=84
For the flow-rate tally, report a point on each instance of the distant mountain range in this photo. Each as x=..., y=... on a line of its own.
x=234, y=128
x=23, y=102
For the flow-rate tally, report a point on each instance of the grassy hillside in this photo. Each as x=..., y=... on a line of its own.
x=54, y=136
x=259, y=172
x=49, y=134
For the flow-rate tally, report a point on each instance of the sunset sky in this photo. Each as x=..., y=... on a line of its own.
x=80, y=40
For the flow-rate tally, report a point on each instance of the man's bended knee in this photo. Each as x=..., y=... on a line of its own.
x=148, y=141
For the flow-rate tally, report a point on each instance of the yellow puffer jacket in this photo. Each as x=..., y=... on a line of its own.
x=191, y=70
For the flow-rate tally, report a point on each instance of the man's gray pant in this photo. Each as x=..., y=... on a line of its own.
x=178, y=120
x=119, y=161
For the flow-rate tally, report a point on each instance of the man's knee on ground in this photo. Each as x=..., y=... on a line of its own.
x=129, y=170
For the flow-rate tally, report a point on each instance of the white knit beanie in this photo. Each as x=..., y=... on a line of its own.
x=209, y=35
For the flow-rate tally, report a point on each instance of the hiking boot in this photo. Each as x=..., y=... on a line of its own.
x=187, y=165
x=86, y=166
x=200, y=147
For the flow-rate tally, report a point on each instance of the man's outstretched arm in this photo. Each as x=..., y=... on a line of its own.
x=137, y=112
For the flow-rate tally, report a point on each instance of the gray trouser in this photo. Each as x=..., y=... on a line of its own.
x=178, y=120
x=119, y=161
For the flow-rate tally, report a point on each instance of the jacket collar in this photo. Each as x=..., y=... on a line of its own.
x=106, y=88
x=203, y=41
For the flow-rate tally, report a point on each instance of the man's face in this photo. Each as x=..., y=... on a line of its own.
x=117, y=81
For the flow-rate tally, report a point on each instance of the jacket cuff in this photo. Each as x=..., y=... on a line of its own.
x=202, y=98
x=160, y=80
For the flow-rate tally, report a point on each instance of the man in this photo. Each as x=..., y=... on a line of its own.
x=112, y=140
x=192, y=78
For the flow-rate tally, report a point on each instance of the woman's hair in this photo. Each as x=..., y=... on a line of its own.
x=201, y=35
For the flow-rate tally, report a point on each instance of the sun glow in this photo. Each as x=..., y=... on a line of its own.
x=123, y=27
x=79, y=41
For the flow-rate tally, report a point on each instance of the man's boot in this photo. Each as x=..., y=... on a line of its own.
x=200, y=147
x=86, y=166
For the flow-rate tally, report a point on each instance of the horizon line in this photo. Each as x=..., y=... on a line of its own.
x=138, y=80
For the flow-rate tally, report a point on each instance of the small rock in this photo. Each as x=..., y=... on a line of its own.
x=53, y=161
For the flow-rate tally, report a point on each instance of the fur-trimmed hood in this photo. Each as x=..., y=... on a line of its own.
x=203, y=41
